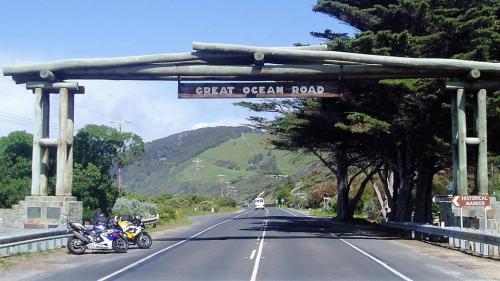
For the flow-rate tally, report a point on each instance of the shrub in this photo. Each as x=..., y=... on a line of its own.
x=205, y=206
x=134, y=207
x=225, y=202
x=167, y=212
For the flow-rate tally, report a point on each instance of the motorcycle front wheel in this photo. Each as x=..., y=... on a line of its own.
x=120, y=245
x=144, y=240
x=76, y=246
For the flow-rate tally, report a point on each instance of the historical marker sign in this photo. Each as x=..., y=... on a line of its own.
x=259, y=90
x=471, y=201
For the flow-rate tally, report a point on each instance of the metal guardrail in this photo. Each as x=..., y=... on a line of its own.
x=6, y=241
x=153, y=220
x=487, y=244
x=35, y=242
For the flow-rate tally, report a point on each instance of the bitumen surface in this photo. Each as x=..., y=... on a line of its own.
x=270, y=244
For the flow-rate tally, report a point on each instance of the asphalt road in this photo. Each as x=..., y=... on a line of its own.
x=274, y=244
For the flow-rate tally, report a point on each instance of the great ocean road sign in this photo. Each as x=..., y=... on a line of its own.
x=259, y=90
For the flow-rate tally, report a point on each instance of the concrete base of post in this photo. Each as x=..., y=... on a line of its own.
x=38, y=212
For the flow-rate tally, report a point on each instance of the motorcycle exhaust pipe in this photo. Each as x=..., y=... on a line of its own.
x=81, y=237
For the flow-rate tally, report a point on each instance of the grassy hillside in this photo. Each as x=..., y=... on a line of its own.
x=247, y=162
x=148, y=175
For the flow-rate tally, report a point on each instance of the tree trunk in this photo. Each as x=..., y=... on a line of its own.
x=389, y=179
x=423, y=200
x=342, y=185
x=403, y=202
x=355, y=200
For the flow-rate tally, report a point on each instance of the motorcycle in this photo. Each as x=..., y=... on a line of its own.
x=134, y=229
x=100, y=237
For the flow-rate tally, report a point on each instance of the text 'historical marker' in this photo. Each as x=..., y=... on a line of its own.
x=471, y=201
x=259, y=90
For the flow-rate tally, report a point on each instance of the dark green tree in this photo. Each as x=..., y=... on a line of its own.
x=15, y=167
x=405, y=124
x=98, y=151
x=422, y=28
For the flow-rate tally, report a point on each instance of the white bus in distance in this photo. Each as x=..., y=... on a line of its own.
x=258, y=203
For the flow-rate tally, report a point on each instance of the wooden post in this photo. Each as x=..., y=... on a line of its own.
x=62, y=147
x=36, y=162
x=462, y=149
x=482, y=161
x=454, y=142
x=45, y=150
x=69, y=135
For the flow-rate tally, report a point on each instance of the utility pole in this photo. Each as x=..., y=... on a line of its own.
x=120, y=123
x=221, y=180
x=197, y=167
x=228, y=185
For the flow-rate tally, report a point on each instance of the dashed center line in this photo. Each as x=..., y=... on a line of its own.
x=252, y=255
x=259, y=252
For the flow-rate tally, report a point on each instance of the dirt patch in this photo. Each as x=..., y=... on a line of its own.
x=487, y=267
x=26, y=266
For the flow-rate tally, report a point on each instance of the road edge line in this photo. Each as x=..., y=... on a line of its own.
x=383, y=264
x=166, y=249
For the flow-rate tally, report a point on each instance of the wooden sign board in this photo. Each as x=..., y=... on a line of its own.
x=471, y=201
x=259, y=90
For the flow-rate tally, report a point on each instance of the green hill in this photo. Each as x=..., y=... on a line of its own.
x=242, y=155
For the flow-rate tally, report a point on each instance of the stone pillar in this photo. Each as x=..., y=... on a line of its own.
x=62, y=145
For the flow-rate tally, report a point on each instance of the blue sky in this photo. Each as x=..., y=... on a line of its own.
x=37, y=31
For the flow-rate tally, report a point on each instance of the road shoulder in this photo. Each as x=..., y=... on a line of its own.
x=30, y=266
x=488, y=268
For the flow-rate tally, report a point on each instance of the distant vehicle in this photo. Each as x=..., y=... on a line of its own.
x=259, y=203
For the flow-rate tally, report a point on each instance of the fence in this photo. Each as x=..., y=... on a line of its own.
x=483, y=243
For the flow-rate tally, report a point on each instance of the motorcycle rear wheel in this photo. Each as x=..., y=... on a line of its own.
x=76, y=246
x=120, y=244
x=144, y=240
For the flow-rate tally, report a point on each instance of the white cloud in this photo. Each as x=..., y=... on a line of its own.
x=152, y=107
x=222, y=122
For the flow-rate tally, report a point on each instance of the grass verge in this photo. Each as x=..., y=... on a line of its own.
x=183, y=219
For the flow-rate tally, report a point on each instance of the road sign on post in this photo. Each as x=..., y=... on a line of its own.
x=471, y=201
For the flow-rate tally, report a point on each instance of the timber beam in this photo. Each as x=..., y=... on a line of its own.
x=459, y=140
x=55, y=87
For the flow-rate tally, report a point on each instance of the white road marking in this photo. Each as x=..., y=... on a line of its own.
x=166, y=249
x=383, y=264
x=252, y=255
x=258, y=237
x=259, y=254
x=386, y=266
